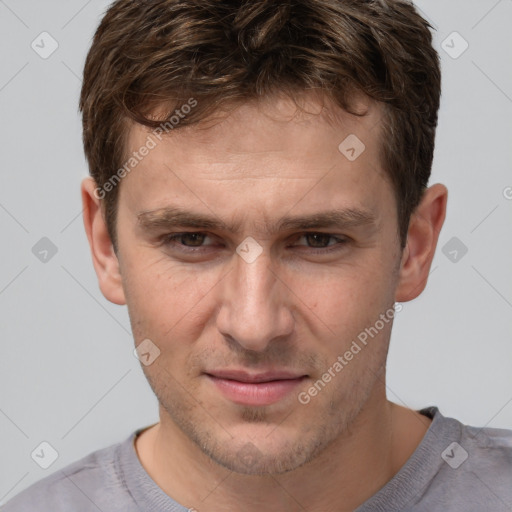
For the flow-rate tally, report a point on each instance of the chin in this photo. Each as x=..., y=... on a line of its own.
x=250, y=460
x=263, y=451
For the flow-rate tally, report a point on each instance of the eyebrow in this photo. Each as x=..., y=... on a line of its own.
x=170, y=217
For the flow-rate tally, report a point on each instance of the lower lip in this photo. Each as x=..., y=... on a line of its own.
x=255, y=393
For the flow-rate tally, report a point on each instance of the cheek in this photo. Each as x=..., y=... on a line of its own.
x=347, y=296
x=164, y=298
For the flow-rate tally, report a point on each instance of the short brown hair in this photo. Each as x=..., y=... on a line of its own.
x=152, y=53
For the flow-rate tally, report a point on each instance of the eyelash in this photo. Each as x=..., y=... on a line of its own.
x=170, y=240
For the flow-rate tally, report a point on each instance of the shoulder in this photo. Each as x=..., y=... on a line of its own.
x=476, y=467
x=489, y=452
x=90, y=484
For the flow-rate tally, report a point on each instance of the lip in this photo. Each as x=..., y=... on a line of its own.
x=264, y=388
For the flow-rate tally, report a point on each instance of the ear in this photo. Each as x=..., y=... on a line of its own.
x=424, y=228
x=104, y=258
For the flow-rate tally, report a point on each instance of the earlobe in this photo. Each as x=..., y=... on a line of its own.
x=104, y=258
x=424, y=229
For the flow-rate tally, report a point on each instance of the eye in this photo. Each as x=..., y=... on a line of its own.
x=189, y=241
x=321, y=241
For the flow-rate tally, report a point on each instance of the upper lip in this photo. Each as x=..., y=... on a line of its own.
x=243, y=376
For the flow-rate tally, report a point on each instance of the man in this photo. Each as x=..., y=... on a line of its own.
x=259, y=202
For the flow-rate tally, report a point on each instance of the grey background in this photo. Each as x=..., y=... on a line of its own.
x=68, y=375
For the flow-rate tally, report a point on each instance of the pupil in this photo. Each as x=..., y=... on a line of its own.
x=195, y=237
x=316, y=236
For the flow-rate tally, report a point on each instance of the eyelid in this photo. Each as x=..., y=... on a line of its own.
x=169, y=238
x=339, y=238
x=340, y=243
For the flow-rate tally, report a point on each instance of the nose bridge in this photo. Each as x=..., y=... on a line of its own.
x=256, y=283
x=253, y=306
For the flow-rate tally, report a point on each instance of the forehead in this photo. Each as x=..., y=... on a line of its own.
x=268, y=151
x=309, y=126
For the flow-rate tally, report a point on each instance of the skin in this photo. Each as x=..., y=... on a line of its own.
x=294, y=307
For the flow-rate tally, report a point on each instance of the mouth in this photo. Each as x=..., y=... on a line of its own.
x=264, y=388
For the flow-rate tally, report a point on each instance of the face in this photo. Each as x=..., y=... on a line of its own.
x=253, y=253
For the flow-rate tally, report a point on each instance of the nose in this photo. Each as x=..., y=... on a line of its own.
x=255, y=304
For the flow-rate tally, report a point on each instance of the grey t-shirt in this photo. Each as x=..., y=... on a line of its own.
x=454, y=468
